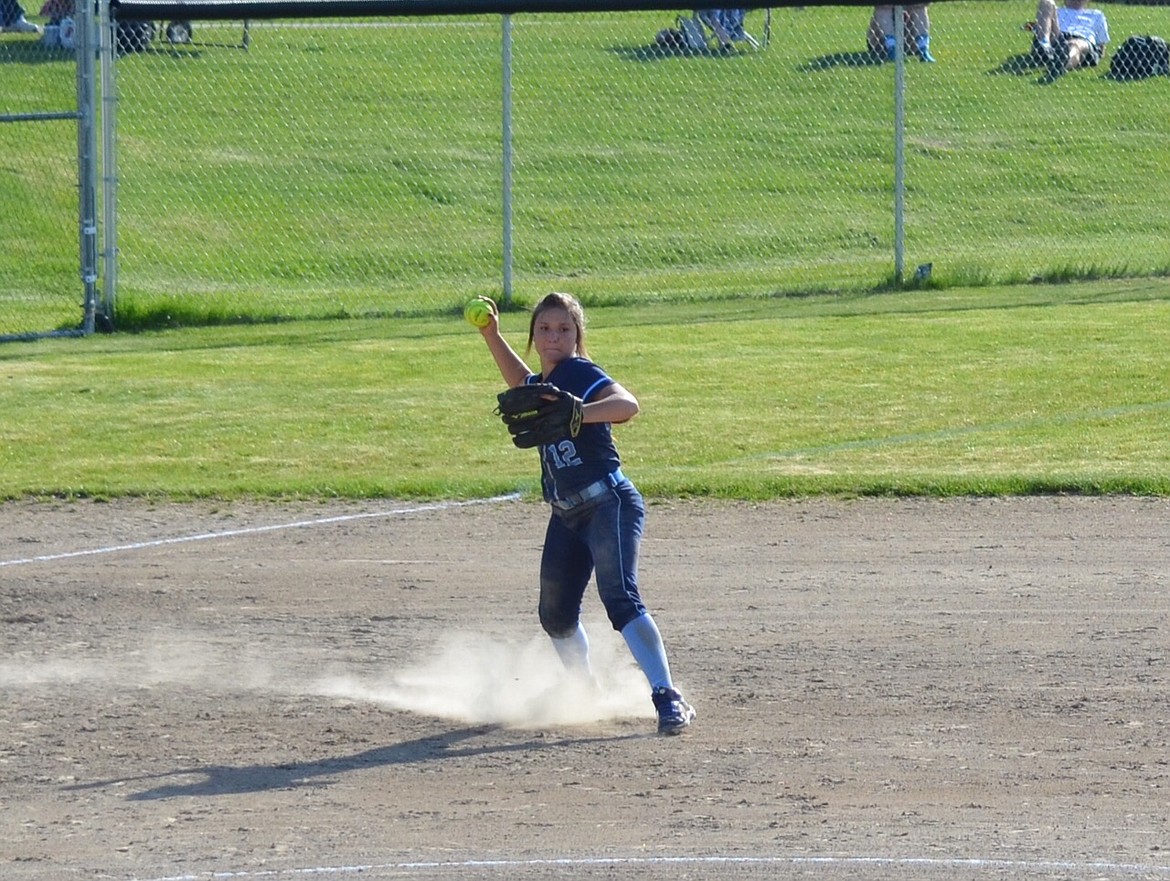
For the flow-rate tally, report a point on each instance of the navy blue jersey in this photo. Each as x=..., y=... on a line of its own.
x=573, y=463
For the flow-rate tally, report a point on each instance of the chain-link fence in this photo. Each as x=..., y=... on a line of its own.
x=392, y=166
x=39, y=287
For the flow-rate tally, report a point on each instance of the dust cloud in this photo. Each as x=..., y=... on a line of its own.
x=481, y=679
x=467, y=676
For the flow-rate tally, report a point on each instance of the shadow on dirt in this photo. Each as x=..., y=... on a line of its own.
x=217, y=780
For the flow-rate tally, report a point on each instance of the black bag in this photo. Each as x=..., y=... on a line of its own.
x=1140, y=57
x=670, y=40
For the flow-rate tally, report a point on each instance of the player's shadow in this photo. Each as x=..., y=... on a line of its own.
x=1027, y=65
x=1019, y=65
x=216, y=780
x=655, y=53
x=35, y=52
x=863, y=58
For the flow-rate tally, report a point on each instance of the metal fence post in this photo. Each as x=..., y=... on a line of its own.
x=107, y=46
x=87, y=158
x=899, y=144
x=507, y=155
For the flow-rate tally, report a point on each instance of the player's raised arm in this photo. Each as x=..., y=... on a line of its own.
x=483, y=313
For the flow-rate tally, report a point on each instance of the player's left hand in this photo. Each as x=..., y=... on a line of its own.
x=539, y=414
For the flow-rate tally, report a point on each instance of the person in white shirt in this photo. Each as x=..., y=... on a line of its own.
x=1070, y=36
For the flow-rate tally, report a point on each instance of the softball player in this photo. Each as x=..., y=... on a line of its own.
x=595, y=526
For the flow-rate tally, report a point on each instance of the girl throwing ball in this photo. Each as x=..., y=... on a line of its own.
x=597, y=514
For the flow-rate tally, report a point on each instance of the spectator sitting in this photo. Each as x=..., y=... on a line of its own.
x=12, y=19
x=882, y=39
x=1068, y=37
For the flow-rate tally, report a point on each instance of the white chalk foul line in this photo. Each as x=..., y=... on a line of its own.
x=943, y=863
x=255, y=530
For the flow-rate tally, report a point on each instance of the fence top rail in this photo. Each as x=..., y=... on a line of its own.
x=200, y=10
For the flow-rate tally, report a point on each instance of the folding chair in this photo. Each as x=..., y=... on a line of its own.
x=715, y=29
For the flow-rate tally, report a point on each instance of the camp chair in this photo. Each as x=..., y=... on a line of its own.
x=714, y=29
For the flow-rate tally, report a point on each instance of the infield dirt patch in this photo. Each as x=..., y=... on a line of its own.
x=910, y=689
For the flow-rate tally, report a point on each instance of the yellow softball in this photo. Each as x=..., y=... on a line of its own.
x=478, y=312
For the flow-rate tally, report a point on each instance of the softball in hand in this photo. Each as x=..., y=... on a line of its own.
x=478, y=312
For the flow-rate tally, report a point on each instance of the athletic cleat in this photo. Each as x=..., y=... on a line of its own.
x=21, y=26
x=1041, y=54
x=674, y=714
x=1058, y=63
x=1054, y=58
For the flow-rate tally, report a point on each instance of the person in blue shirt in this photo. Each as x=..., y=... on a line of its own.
x=597, y=514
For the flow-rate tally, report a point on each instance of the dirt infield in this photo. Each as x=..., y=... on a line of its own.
x=886, y=689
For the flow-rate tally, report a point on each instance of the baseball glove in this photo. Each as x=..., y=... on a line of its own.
x=539, y=414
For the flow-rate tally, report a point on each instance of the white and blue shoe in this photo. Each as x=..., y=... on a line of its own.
x=674, y=714
x=21, y=26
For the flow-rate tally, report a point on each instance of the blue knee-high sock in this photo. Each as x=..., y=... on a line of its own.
x=645, y=643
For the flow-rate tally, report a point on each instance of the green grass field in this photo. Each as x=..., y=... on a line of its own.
x=1038, y=388
x=355, y=170
x=727, y=220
